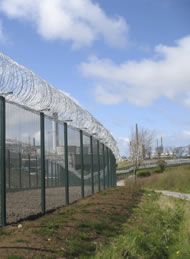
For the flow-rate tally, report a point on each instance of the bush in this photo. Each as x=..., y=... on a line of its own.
x=162, y=165
x=143, y=173
x=157, y=170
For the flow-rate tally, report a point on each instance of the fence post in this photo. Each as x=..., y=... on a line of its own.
x=20, y=170
x=98, y=153
x=9, y=168
x=29, y=171
x=36, y=172
x=103, y=154
x=42, y=161
x=66, y=164
x=115, y=176
x=82, y=163
x=47, y=173
x=92, y=164
x=111, y=169
x=108, y=173
x=2, y=161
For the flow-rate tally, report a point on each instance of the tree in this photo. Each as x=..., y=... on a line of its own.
x=140, y=146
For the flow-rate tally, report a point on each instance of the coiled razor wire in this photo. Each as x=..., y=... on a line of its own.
x=34, y=93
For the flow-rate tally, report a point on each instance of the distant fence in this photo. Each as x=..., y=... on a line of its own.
x=45, y=164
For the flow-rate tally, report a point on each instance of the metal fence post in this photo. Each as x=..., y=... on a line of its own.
x=103, y=154
x=107, y=167
x=51, y=174
x=2, y=161
x=82, y=163
x=36, y=171
x=111, y=169
x=47, y=173
x=9, y=168
x=98, y=153
x=115, y=176
x=92, y=164
x=29, y=171
x=20, y=170
x=42, y=162
x=66, y=164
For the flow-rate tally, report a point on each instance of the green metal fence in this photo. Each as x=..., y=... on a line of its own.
x=45, y=164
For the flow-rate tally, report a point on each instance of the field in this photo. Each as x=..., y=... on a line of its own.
x=122, y=222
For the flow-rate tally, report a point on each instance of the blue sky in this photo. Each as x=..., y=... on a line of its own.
x=125, y=61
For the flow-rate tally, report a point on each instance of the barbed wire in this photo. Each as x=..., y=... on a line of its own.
x=31, y=91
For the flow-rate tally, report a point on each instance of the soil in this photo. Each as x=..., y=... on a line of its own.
x=49, y=236
x=27, y=203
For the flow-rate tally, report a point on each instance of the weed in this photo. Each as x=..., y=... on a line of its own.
x=4, y=232
x=14, y=257
x=77, y=246
x=48, y=230
x=22, y=241
x=67, y=212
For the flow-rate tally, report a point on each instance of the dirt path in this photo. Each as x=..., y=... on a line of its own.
x=179, y=195
x=121, y=183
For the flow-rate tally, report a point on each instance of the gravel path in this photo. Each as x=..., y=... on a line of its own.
x=22, y=204
x=179, y=195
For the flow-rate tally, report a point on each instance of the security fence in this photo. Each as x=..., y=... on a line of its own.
x=46, y=164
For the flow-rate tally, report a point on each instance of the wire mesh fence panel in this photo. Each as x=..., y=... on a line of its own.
x=74, y=164
x=87, y=166
x=22, y=148
x=54, y=164
x=101, y=168
x=95, y=160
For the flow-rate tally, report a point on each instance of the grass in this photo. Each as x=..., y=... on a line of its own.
x=122, y=165
x=160, y=225
x=4, y=232
x=14, y=257
x=121, y=222
x=141, y=237
x=173, y=179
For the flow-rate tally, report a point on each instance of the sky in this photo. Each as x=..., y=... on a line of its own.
x=125, y=61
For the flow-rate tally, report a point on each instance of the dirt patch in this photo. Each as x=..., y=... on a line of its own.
x=73, y=230
x=23, y=204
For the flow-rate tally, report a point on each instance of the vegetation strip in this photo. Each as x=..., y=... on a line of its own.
x=122, y=222
x=73, y=231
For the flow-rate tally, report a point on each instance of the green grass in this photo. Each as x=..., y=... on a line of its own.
x=79, y=245
x=151, y=231
x=101, y=228
x=160, y=225
x=4, y=232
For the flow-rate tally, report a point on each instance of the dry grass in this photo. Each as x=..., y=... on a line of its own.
x=173, y=179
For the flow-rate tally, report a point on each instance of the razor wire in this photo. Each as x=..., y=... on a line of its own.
x=29, y=90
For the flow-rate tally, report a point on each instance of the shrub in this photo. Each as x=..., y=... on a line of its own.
x=162, y=164
x=157, y=170
x=143, y=173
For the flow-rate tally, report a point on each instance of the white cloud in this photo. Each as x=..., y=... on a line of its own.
x=166, y=74
x=81, y=21
x=2, y=36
